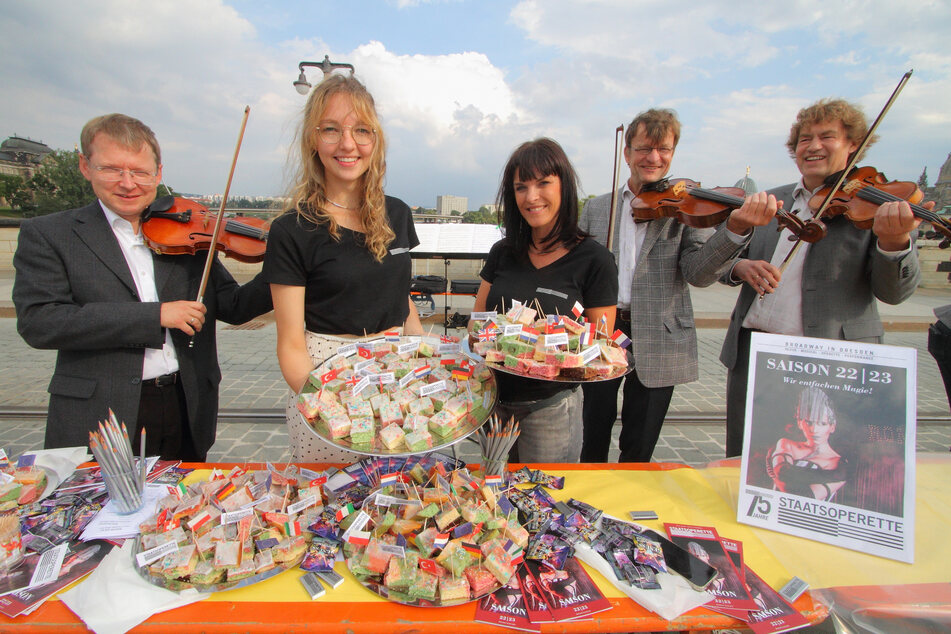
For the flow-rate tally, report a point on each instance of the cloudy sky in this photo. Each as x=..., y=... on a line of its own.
x=460, y=83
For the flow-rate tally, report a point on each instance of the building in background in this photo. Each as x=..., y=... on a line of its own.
x=445, y=205
x=747, y=184
x=21, y=157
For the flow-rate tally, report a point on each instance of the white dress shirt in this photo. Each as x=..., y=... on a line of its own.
x=780, y=312
x=630, y=240
x=139, y=258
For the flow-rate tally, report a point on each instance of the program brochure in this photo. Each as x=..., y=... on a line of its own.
x=829, y=446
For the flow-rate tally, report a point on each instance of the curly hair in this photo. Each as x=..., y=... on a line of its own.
x=824, y=110
x=308, y=196
x=537, y=159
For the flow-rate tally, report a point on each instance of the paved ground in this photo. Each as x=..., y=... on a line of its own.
x=253, y=392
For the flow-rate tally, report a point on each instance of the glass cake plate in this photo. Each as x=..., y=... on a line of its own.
x=487, y=395
x=176, y=585
x=375, y=582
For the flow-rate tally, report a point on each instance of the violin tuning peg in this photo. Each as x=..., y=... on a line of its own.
x=945, y=243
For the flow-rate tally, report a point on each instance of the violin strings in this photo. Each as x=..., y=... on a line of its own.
x=875, y=195
x=717, y=197
x=232, y=226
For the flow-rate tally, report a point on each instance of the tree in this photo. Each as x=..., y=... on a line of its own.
x=56, y=185
x=923, y=179
x=455, y=212
x=481, y=217
x=9, y=184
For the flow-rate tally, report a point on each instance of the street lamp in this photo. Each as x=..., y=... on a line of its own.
x=303, y=86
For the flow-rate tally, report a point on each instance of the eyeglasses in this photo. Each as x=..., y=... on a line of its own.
x=114, y=174
x=332, y=133
x=644, y=151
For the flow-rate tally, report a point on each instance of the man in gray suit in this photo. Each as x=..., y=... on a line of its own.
x=827, y=289
x=656, y=260
x=120, y=316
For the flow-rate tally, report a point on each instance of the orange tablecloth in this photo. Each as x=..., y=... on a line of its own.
x=280, y=604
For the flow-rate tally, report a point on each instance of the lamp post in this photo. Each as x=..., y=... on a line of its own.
x=303, y=86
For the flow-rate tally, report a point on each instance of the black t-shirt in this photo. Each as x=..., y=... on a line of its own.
x=347, y=290
x=586, y=274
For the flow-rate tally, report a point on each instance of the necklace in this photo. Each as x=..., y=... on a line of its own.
x=339, y=205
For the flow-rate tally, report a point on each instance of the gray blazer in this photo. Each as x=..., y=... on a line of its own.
x=663, y=335
x=74, y=293
x=843, y=275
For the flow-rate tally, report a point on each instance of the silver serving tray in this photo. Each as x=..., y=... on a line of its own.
x=498, y=367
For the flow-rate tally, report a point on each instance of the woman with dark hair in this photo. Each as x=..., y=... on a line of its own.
x=338, y=260
x=811, y=468
x=545, y=257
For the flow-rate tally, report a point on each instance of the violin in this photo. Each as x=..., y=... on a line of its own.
x=690, y=204
x=174, y=226
x=865, y=189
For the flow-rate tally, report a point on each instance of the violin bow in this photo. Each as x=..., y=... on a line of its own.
x=617, y=174
x=221, y=214
x=851, y=164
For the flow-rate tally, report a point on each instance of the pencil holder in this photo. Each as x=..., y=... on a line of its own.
x=124, y=489
x=493, y=467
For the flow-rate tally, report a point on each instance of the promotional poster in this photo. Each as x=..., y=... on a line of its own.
x=829, y=447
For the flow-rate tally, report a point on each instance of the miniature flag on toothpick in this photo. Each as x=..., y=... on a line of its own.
x=359, y=538
x=603, y=323
x=471, y=548
x=353, y=380
x=327, y=377
x=366, y=353
x=441, y=540
x=448, y=339
x=493, y=480
x=621, y=339
x=517, y=554
x=587, y=335
x=199, y=520
x=487, y=335
x=422, y=371
x=179, y=490
x=292, y=529
x=344, y=512
x=577, y=309
x=390, y=478
x=528, y=334
x=225, y=491
x=430, y=566
x=393, y=336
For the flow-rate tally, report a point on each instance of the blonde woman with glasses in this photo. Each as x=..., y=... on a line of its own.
x=338, y=260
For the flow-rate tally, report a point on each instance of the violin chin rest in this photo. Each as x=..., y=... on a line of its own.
x=162, y=203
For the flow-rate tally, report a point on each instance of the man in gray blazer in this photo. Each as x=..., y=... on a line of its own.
x=120, y=316
x=656, y=260
x=827, y=289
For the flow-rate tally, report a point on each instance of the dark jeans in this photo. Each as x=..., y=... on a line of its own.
x=736, y=395
x=163, y=414
x=939, y=345
x=643, y=410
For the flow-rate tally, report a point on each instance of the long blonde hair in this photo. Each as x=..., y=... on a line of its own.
x=308, y=196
